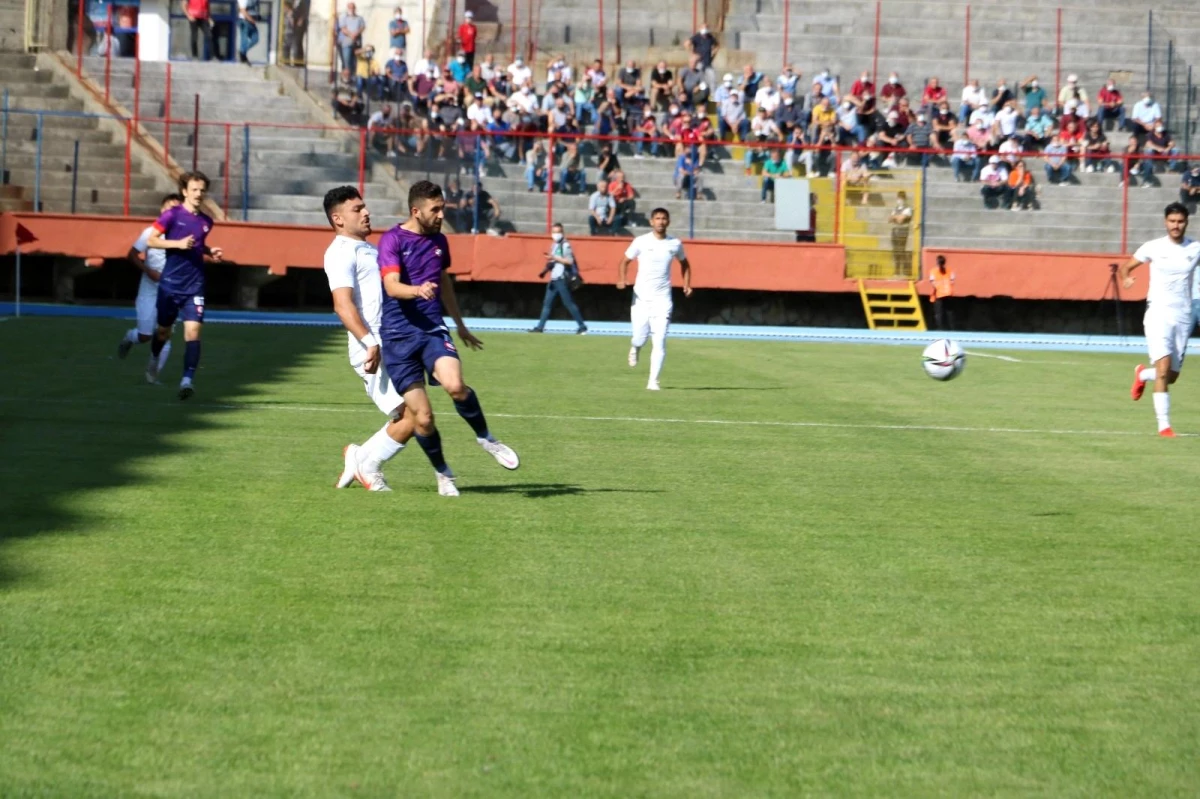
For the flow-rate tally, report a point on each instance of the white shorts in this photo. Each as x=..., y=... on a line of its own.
x=1168, y=336
x=147, y=309
x=650, y=319
x=379, y=387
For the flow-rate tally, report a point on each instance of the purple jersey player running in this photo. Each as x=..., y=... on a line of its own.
x=182, y=232
x=413, y=259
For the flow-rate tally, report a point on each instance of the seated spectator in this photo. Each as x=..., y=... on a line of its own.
x=1034, y=95
x=648, y=129
x=824, y=119
x=596, y=74
x=863, y=86
x=458, y=67
x=519, y=73
x=1001, y=96
x=395, y=76
x=731, y=118
x=489, y=69
x=470, y=142
x=676, y=126
x=367, y=73
x=413, y=132
x=456, y=205
x=892, y=92
x=751, y=81
x=904, y=114
x=919, y=134
x=932, y=96
x=601, y=210
x=380, y=127
x=662, y=83
x=857, y=176
x=606, y=119
x=427, y=64
x=1189, y=188
x=500, y=87
x=585, y=109
x=994, y=178
x=623, y=195
x=768, y=98
x=1095, y=149
x=1132, y=165
x=705, y=134
x=689, y=78
x=347, y=101
x=829, y=85
x=1038, y=129
x=1020, y=194
x=500, y=143
x=572, y=173
x=775, y=168
x=1006, y=122
x=698, y=99
x=687, y=177
x=629, y=83
x=1072, y=91
x=1158, y=143
x=607, y=161
x=862, y=95
x=891, y=137
x=1112, y=106
x=810, y=103
x=764, y=130
x=943, y=127
x=1010, y=151
x=983, y=114
x=446, y=90
x=787, y=116
x=421, y=88
x=1146, y=114
x=488, y=213
x=474, y=83
x=1058, y=162
x=798, y=146
x=535, y=167
x=722, y=92
x=1069, y=115
x=965, y=159
x=850, y=131
x=524, y=102
x=478, y=112
x=558, y=71
x=1072, y=136
x=981, y=135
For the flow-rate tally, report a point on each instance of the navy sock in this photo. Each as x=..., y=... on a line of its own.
x=191, y=358
x=432, y=445
x=469, y=410
x=156, y=345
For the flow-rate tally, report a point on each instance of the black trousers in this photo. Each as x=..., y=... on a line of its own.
x=203, y=48
x=943, y=313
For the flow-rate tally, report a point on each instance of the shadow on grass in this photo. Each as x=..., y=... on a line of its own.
x=74, y=419
x=543, y=490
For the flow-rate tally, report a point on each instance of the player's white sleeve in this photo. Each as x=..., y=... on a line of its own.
x=143, y=241
x=340, y=267
x=680, y=255
x=1143, y=253
x=633, y=250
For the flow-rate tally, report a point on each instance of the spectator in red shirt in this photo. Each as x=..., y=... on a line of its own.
x=893, y=92
x=467, y=34
x=1112, y=106
x=933, y=96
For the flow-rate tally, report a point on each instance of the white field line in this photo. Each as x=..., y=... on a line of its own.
x=1010, y=359
x=366, y=409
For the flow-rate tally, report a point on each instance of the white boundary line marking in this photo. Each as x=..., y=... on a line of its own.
x=366, y=409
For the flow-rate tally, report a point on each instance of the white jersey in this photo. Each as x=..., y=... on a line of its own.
x=155, y=261
x=353, y=264
x=654, y=256
x=1172, y=267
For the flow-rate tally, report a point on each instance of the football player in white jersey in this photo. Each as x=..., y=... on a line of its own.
x=352, y=266
x=1168, y=319
x=651, y=311
x=151, y=261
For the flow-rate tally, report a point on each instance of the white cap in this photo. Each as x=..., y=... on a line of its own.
x=995, y=159
x=728, y=77
x=1072, y=79
x=469, y=15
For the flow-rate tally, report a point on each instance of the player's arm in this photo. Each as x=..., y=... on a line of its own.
x=686, y=268
x=450, y=303
x=137, y=256
x=622, y=269
x=159, y=241
x=347, y=311
x=398, y=290
x=1127, y=272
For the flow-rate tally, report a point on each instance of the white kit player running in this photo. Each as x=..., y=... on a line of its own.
x=1169, y=319
x=352, y=266
x=151, y=261
x=651, y=310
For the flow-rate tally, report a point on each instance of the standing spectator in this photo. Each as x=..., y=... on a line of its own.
x=1095, y=149
x=1038, y=128
x=247, y=28
x=1146, y=114
x=468, y=34
x=775, y=169
x=687, y=177
x=1001, y=96
x=1072, y=91
x=629, y=83
x=965, y=159
x=901, y=220
x=993, y=177
x=892, y=92
x=661, y=82
x=601, y=210
x=705, y=46
x=398, y=31
x=1020, y=195
x=349, y=36
x=1189, y=188
x=1058, y=164
x=1034, y=95
x=295, y=31
x=1112, y=106
x=933, y=95
x=561, y=266
x=941, y=281
x=199, y=26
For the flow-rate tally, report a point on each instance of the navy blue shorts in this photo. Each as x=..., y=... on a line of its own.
x=410, y=360
x=171, y=306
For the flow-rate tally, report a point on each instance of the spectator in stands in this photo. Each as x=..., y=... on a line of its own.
x=648, y=129
x=903, y=112
x=468, y=35
x=488, y=214
x=1095, y=149
x=981, y=135
x=458, y=68
x=788, y=81
x=829, y=85
x=810, y=103
x=698, y=100
x=524, y=103
x=857, y=176
x=1189, y=188
x=607, y=162
x=1158, y=143
x=1146, y=114
x=722, y=92
x=395, y=76
x=535, y=166
x=824, y=121
x=919, y=134
x=1072, y=136
x=596, y=74
x=687, y=177
x=572, y=173
x=477, y=111
x=456, y=201
x=1010, y=151
x=933, y=95
x=347, y=102
x=1071, y=91
x=1038, y=129
x=893, y=136
x=499, y=141
x=1112, y=106
x=421, y=87
x=199, y=27
x=941, y=281
x=788, y=116
x=775, y=168
x=623, y=195
x=901, y=219
x=662, y=82
x=944, y=127
x=985, y=114
x=849, y=128
x=1058, y=163
x=704, y=45
x=349, y=36
x=690, y=77
x=398, y=31
x=994, y=178
x=585, y=109
x=1001, y=96
x=862, y=95
x=489, y=68
x=768, y=98
x=705, y=135
x=892, y=92
x=379, y=127
x=1006, y=122
x=1021, y=193
x=1034, y=95
x=519, y=73
x=1133, y=147
x=797, y=145
x=965, y=159
x=629, y=83
x=428, y=64
x=601, y=210
x=472, y=147
x=751, y=81
x=367, y=73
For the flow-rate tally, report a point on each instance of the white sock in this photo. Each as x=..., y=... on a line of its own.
x=131, y=335
x=1148, y=375
x=657, y=356
x=1162, y=409
x=162, y=356
x=379, y=449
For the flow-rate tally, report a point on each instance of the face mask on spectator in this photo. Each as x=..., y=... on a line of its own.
x=1033, y=84
x=398, y=15
x=524, y=90
x=847, y=105
x=788, y=101
x=1158, y=128
x=704, y=30
x=556, y=236
x=893, y=80
x=462, y=59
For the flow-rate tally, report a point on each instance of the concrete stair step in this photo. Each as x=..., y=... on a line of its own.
x=25, y=176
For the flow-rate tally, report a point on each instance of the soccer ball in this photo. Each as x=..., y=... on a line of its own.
x=943, y=359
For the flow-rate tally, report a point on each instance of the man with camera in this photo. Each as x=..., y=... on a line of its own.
x=564, y=277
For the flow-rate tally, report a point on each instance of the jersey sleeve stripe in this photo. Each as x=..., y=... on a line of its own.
x=389, y=270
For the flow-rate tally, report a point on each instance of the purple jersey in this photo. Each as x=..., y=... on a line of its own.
x=184, y=271
x=417, y=259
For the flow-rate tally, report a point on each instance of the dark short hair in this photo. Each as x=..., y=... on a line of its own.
x=1176, y=208
x=662, y=211
x=941, y=260
x=556, y=224
x=188, y=177
x=423, y=190
x=175, y=197
x=336, y=197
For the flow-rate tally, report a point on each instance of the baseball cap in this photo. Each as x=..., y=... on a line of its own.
x=995, y=159
x=728, y=77
x=469, y=15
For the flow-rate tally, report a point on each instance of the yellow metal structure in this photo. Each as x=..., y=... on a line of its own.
x=892, y=306
x=877, y=249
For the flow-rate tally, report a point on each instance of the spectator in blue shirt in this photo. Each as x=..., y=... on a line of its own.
x=398, y=31
x=499, y=142
x=459, y=68
x=687, y=177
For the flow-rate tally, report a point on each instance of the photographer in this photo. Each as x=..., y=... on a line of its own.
x=560, y=263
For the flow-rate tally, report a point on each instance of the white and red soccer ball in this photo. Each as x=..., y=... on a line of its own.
x=944, y=359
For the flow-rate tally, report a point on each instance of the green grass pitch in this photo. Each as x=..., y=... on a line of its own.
x=849, y=603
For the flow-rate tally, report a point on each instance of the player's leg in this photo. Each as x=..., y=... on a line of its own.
x=191, y=355
x=639, y=316
x=1167, y=356
x=167, y=308
x=659, y=322
x=447, y=370
x=406, y=370
x=365, y=462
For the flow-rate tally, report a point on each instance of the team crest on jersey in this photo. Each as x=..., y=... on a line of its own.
x=438, y=252
x=450, y=345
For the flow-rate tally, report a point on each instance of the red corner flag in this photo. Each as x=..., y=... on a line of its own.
x=24, y=236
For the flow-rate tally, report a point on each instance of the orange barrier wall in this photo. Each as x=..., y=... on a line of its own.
x=519, y=258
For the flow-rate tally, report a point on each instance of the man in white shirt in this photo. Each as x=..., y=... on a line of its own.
x=768, y=97
x=524, y=101
x=151, y=261
x=973, y=97
x=427, y=65
x=520, y=73
x=478, y=112
x=1169, y=320
x=352, y=267
x=1145, y=114
x=558, y=71
x=652, y=305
